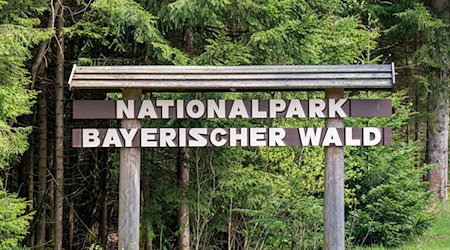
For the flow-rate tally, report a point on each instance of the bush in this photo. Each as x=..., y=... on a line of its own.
x=388, y=197
x=13, y=222
x=392, y=199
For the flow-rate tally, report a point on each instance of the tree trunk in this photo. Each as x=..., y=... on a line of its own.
x=183, y=209
x=104, y=198
x=51, y=193
x=183, y=242
x=30, y=189
x=23, y=174
x=71, y=222
x=42, y=50
x=42, y=168
x=437, y=143
x=59, y=130
x=437, y=146
x=146, y=204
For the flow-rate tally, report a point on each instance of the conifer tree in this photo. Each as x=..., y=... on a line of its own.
x=18, y=36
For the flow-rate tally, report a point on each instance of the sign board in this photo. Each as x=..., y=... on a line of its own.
x=217, y=137
x=234, y=137
x=196, y=109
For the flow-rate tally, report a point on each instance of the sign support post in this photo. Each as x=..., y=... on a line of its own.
x=129, y=184
x=334, y=235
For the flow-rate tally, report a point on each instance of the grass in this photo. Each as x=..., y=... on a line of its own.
x=435, y=238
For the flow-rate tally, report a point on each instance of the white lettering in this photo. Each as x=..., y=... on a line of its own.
x=335, y=108
x=309, y=137
x=182, y=137
x=242, y=137
x=275, y=106
x=276, y=136
x=180, y=109
x=90, y=138
x=332, y=137
x=165, y=106
x=198, y=137
x=316, y=108
x=218, y=132
x=295, y=109
x=166, y=137
x=147, y=110
x=216, y=108
x=128, y=136
x=349, y=141
x=148, y=137
x=195, y=109
x=257, y=137
x=371, y=136
x=125, y=109
x=256, y=113
x=112, y=138
x=238, y=109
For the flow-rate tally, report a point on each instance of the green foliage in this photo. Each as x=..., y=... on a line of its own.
x=123, y=26
x=275, y=213
x=416, y=21
x=389, y=198
x=223, y=51
x=18, y=35
x=271, y=196
x=13, y=222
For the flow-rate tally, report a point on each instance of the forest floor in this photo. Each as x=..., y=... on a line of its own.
x=435, y=238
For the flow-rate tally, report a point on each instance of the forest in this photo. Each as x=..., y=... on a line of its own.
x=55, y=196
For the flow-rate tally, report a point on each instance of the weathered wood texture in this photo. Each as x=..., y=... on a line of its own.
x=233, y=78
x=334, y=235
x=129, y=185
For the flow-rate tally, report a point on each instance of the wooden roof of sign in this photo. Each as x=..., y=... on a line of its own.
x=233, y=78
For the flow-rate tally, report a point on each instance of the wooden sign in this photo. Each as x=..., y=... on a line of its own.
x=218, y=137
x=133, y=80
x=232, y=137
x=196, y=109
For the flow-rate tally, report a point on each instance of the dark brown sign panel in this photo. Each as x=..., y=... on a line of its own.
x=195, y=109
x=233, y=137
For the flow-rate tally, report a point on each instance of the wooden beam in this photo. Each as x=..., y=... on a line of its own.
x=233, y=78
x=334, y=225
x=129, y=185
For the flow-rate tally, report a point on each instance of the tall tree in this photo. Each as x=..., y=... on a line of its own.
x=183, y=241
x=438, y=101
x=59, y=128
x=42, y=168
x=416, y=38
x=17, y=21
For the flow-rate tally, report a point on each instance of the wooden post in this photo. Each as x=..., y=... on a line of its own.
x=129, y=184
x=334, y=185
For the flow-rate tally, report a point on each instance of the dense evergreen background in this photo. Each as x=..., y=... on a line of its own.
x=55, y=196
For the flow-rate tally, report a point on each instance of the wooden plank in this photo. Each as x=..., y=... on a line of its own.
x=292, y=137
x=334, y=224
x=250, y=85
x=309, y=76
x=233, y=78
x=129, y=185
x=106, y=109
x=165, y=69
